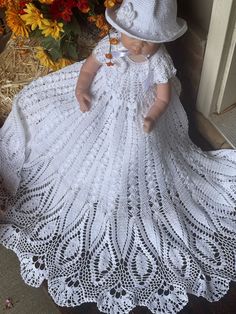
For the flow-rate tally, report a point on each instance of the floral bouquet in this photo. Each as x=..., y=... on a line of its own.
x=4, y=31
x=56, y=25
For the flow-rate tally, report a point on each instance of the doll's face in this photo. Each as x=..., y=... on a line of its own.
x=138, y=47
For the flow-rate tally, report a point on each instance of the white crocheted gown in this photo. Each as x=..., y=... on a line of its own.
x=105, y=212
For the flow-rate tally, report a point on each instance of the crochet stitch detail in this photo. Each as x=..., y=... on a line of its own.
x=106, y=213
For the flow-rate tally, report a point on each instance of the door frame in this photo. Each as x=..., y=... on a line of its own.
x=217, y=57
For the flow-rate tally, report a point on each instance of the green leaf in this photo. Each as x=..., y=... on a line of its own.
x=53, y=47
x=70, y=48
x=36, y=33
x=73, y=53
x=72, y=27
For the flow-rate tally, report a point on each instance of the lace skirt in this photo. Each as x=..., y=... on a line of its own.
x=108, y=214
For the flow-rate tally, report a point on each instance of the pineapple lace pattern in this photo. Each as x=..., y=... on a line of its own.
x=106, y=213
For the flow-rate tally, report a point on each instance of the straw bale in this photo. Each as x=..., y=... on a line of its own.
x=18, y=67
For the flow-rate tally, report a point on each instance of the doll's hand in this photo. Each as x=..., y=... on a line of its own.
x=84, y=98
x=148, y=124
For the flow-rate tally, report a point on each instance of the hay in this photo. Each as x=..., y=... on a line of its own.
x=18, y=67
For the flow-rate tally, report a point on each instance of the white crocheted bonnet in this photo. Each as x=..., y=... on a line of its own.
x=149, y=20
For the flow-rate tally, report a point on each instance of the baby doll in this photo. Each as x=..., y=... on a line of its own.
x=111, y=202
x=138, y=50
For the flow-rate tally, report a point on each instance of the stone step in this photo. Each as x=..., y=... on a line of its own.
x=210, y=133
x=26, y=299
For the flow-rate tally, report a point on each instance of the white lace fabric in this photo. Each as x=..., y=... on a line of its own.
x=105, y=212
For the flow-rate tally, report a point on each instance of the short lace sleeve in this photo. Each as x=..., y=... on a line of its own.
x=101, y=49
x=163, y=66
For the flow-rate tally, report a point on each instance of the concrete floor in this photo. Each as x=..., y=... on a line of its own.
x=26, y=300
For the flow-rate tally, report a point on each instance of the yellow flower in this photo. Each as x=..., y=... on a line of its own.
x=46, y=1
x=44, y=58
x=32, y=17
x=15, y=23
x=51, y=28
x=61, y=63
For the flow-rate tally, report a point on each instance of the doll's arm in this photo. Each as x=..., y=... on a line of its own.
x=159, y=106
x=86, y=76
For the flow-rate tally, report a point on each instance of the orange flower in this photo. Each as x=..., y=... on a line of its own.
x=114, y=41
x=110, y=4
x=92, y=18
x=15, y=23
x=9, y=3
x=46, y=1
x=110, y=64
x=102, y=34
x=100, y=21
x=108, y=55
x=3, y=3
x=104, y=30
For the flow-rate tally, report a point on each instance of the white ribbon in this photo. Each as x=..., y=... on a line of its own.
x=120, y=53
